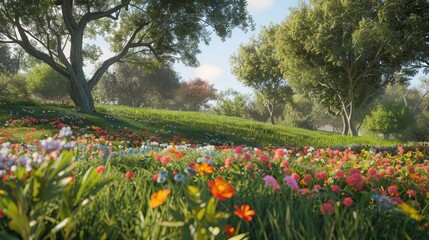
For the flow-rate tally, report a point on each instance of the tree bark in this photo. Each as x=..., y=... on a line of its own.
x=345, y=125
x=81, y=95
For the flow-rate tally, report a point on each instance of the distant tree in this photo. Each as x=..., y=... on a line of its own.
x=232, y=103
x=195, y=94
x=344, y=52
x=137, y=86
x=58, y=33
x=45, y=82
x=8, y=62
x=13, y=87
x=255, y=66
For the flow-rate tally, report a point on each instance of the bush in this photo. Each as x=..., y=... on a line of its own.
x=45, y=82
x=13, y=87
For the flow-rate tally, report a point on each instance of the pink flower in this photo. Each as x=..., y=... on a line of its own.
x=238, y=150
x=317, y=188
x=321, y=175
x=247, y=156
x=355, y=180
x=327, y=208
x=392, y=189
x=272, y=182
x=258, y=151
x=411, y=193
x=291, y=182
x=339, y=174
x=228, y=162
x=295, y=176
x=100, y=169
x=308, y=177
x=249, y=166
x=411, y=168
x=335, y=188
x=155, y=177
x=348, y=202
x=284, y=164
x=165, y=159
x=279, y=153
x=158, y=156
x=129, y=175
x=264, y=158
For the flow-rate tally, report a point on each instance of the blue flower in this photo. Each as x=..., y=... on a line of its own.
x=179, y=177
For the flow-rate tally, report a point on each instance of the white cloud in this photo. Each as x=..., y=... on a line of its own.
x=209, y=72
x=259, y=5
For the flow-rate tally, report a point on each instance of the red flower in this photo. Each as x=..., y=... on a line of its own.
x=100, y=169
x=129, y=175
x=229, y=231
x=244, y=212
x=348, y=202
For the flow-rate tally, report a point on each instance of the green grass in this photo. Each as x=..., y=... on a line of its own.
x=195, y=126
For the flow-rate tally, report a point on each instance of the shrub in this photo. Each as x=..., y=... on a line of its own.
x=45, y=82
x=13, y=87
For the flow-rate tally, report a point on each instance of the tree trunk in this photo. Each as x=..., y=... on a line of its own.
x=81, y=95
x=345, y=124
x=270, y=108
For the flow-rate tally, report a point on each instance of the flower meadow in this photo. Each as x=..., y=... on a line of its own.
x=89, y=182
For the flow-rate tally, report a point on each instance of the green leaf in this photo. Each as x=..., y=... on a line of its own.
x=242, y=236
x=201, y=213
x=173, y=224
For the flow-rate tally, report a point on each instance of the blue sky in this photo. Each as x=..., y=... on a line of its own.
x=214, y=58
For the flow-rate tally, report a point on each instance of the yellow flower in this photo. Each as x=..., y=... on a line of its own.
x=410, y=211
x=2, y=192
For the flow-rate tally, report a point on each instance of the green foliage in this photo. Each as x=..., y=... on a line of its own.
x=343, y=52
x=139, y=86
x=232, y=103
x=46, y=83
x=255, y=66
x=389, y=118
x=13, y=87
x=42, y=200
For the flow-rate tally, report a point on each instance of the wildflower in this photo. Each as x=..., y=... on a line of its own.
x=100, y=169
x=411, y=193
x=392, y=189
x=204, y=168
x=264, y=159
x=229, y=231
x=244, y=212
x=65, y=132
x=279, y=153
x=355, y=180
x=50, y=144
x=335, y=188
x=321, y=175
x=272, y=182
x=129, y=175
x=339, y=174
x=161, y=178
x=221, y=189
x=327, y=207
x=348, y=202
x=158, y=156
x=291, y=182
x=249, y=166
x=159, y=198
x=410, y=211
x=179, y=177
x=228, y=162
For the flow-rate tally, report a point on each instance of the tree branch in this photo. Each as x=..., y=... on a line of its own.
x=67, y=10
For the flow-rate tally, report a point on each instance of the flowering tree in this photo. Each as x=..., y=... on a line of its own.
x=58, y=33
x=196, y=93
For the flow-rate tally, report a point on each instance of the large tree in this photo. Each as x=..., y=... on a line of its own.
x=255, y=66
x=8, y=62
x=56, y=32
x=344, y=52
x=196, y=93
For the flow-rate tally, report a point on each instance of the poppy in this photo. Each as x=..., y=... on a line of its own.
x=159, y=198
x=221, y=189
x=244, y=212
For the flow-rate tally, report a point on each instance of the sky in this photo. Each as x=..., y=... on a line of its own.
x=214, y=58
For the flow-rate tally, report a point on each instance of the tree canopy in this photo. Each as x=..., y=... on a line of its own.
x=255, y=66
x=343, y=52
x=57, y=32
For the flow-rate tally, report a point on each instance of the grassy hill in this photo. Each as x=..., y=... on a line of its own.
x=198, y=127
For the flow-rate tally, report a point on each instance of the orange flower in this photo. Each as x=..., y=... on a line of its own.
x=229, y=230
x=204, y=168
x=221, y=189
x=244, y=212
x=159, y=198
